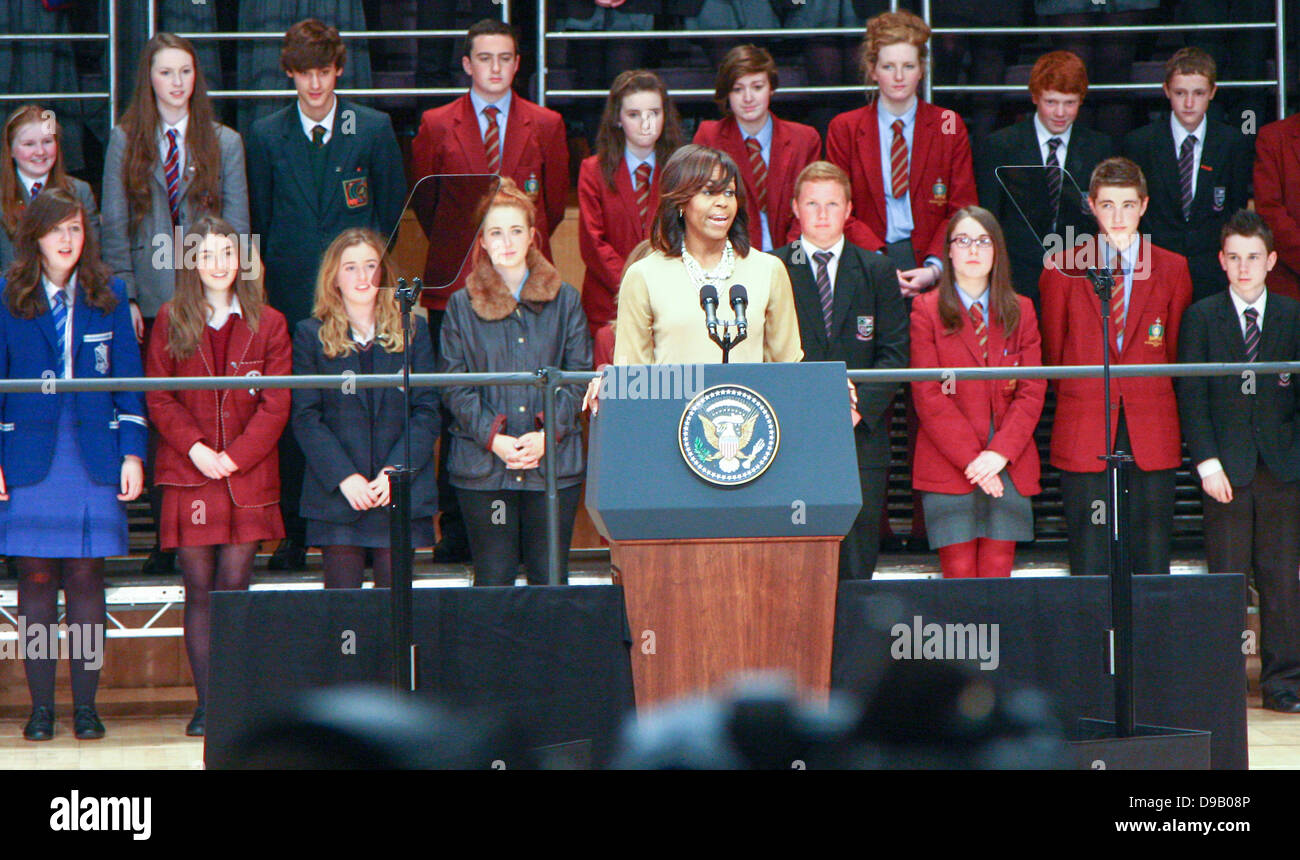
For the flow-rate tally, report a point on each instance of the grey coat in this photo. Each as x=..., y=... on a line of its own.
x=486, y=330
x=144, y=259
x=84, y=194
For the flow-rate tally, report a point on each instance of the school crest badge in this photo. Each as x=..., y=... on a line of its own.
x=866, y=327
x=1156, y=334
x=101, y=358
x=939, y=193
x=356, y=192
x=728, y=435
x=1220, y=197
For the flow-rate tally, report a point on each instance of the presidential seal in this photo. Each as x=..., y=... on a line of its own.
x=728, y=435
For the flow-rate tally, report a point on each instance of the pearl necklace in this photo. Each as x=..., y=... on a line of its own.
x=725, y=269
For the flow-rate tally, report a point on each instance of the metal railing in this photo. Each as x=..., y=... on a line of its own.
x=110, y=37
x=1277, y=26
x=504, y=6
x=549, y=378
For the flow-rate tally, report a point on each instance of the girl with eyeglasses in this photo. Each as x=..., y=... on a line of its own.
x=976, y=464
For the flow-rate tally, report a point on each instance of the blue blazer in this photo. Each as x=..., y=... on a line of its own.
x=110, y=425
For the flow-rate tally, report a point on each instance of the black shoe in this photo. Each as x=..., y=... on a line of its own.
x=198, y=724
x=451, y=552
x=41, y=725
x=86, y=724
x=159, y=563
x=1284, y=702
x=289, y=555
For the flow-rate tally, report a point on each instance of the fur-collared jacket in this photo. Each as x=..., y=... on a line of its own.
x=487, y=330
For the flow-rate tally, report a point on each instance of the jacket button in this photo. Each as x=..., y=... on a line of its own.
x=521, y=340
x=523, y=409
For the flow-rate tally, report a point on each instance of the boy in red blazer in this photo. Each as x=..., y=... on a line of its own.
x=1151, y=295
x=523, y=141
x=909, y=161
x=769, y=151
x=1277, y=198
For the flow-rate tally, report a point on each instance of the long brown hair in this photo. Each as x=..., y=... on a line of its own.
x=11, y=198
x=23, y=290
x=507, y=194
x=328, y=306
x=1004, y=304
x=189, y=306
x=610, y=140
x=688, y=172
x=141, y=122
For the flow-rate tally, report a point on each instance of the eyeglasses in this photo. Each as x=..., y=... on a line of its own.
x=961, y=240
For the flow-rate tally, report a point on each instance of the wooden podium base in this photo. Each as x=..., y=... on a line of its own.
x=702, y=611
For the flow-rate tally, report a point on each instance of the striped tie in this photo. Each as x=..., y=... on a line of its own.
x=492, y=139
x=981, y=330
x=1118, y=309
x=759, y=167
x=1185, y=159
x=1252, y=334
x=36, y=189
x=643, y=190
x=1053, y=165
x=172, y=173
x=823, y=259
x=317, y=136
x=59, y=311
x=898, y=162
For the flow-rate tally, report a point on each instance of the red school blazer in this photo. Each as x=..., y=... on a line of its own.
x=245, y=424
x=1277, y=198
x=794, y=147
x=1071, y=326
x=954, y=426
x=535, y=150
x=609, y=227
x=941, y=179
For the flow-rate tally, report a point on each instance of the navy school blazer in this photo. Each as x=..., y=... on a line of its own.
x=110, y=425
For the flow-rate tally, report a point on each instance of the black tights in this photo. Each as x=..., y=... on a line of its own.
x=38, y=603
x=206, y=570
x=345, y=566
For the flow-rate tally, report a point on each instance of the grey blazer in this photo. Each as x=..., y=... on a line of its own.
x=144, y=260
x=83, y=192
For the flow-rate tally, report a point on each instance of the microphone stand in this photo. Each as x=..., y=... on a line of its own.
x=726, y=340
x=1118, y=463
x=400, y=481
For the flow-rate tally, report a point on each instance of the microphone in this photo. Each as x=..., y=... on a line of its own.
x=739, y=301
x=709, y=301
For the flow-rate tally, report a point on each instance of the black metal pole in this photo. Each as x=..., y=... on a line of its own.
x=399, y=482
x=554, y=562
x=1120, y=573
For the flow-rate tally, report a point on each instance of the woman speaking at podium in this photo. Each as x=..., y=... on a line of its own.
x=701, y=236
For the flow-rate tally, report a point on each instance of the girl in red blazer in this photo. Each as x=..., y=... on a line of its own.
x=909, y=161
x=976, y=463
x=618, y=187
x=779, y=150
x=217, y=463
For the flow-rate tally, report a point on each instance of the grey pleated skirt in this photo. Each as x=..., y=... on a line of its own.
x=952, y=518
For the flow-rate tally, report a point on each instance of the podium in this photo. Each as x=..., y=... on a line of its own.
x=734, y=569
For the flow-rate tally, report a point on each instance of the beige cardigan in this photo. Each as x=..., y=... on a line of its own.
x=660, y=320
